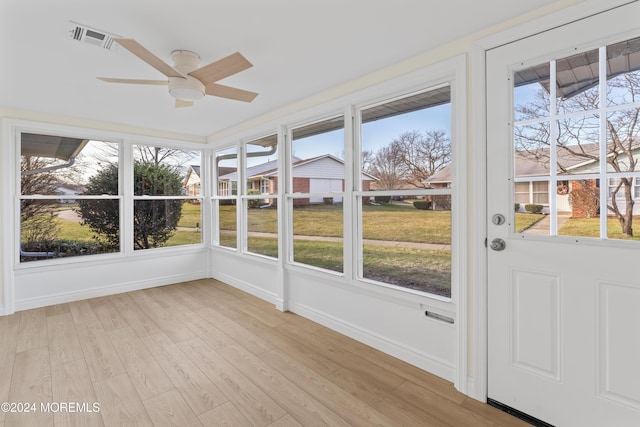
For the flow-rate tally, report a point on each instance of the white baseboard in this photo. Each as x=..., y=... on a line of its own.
x=249, y=288
x=105, y=290
x=428, y=363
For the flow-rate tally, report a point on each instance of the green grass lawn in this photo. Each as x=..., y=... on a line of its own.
x=590, y=227
x=190, y=216
x=71, y=230
x=526, y=220
x=384, y=222
x=420, y=269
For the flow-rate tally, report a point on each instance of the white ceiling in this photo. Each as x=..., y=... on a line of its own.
x=298, y=48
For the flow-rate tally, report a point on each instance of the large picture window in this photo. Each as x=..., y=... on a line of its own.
x=69, y=197
x=405, y=210
x=163, y=214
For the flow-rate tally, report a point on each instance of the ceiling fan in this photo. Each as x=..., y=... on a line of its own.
x=187, y=82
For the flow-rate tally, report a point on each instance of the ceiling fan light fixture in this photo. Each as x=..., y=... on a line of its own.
x=188, y=89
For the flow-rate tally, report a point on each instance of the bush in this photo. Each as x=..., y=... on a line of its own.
x=382, y=199
x=422, y=205
x=441, y=202
x=254, y=203
x=517, y=206
x=533, y=208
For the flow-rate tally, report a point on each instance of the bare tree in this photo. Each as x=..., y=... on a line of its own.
x=422, y=155
x=577, y=137
x=36, y=215
x=160, y=155
x=387, y=167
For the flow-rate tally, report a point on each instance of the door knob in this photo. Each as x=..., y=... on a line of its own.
x=498, y=245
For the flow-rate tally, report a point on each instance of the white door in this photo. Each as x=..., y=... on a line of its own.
x=324, y=185
x=564, y=294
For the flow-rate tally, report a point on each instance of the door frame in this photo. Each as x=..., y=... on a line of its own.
x=529, y=25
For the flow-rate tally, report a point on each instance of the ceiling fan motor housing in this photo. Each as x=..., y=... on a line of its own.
x=189, y=89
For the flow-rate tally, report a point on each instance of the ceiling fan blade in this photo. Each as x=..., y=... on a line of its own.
x=181, y=103
x=141, y=52
x=222, y=68
x=222, y=91
x=134, y=81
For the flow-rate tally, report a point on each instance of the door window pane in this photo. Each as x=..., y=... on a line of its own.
x=530, y=99
x=623, y=72
x=577, y=79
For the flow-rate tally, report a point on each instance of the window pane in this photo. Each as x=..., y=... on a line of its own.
x=51, y=229
x=226, y=168
x=262, y=229
x=317, y=166
x=534, y=199
x=57, y=165
x=407, y=243
x=577, y=79
x=158, y=223
x=160, y=171
x=317, y=234
x=623, y=136
x=583, y=219
x=531, y=93
x=578, y=149
x=623, y=72
x=531, y=154
x=622, y=223
x=262, y=167
x=406, y=142
x=68, y=167
x=227, y=223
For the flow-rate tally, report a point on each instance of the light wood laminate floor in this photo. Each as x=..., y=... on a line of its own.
x=204, y=353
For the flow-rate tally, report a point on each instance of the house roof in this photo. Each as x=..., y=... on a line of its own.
x=269, y=169
x=55, y=147
x=577, y=73
x=254, y=171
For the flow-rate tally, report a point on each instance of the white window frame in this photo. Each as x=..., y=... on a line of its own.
x=359, y=194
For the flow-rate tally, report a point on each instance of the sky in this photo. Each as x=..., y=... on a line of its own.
x=377, y=134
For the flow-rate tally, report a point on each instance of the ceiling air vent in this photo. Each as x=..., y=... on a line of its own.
x=84, y=34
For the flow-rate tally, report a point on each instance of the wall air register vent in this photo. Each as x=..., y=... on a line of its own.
x=85, y=34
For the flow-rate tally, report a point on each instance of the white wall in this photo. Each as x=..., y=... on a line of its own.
x=38, y=286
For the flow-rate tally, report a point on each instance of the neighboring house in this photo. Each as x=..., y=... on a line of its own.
x=531, y=166
x=191, y=181
x=322, y=174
